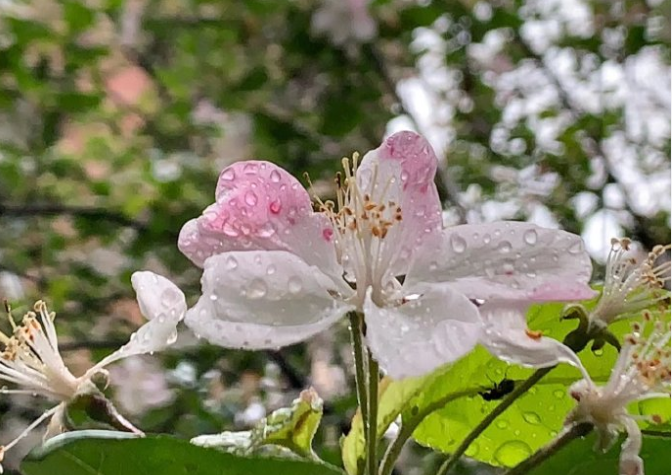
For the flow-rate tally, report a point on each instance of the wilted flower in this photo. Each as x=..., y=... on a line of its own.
x=630, y=287
x=275, y=272
x=31, y=358
x=642, y=371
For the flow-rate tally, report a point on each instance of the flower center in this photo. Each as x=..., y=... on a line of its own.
x=649, y=365
x=628, y=287
x=364, y=221
x=31, y=359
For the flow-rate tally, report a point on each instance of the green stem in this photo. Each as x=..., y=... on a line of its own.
x=550, y=449
x=496, y=412
x=356, y=332
x=409, y=426
x=576, y=341
x=372, y=437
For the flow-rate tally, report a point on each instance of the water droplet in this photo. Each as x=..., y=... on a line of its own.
x=486, y=238
x=532, y=418
x=504, y=247
x=559, y=393
x=458, y=243
x=530, y=237
x=473, y=449
x=295, y=285
x=256, y=289
x=497, y=233
x=231, y=263
x=576, y=248
x=270, y=270
x=502, y=423
x=229, y=230
x=598, y=352
x=275, y=207
x=404, y=176
x=512, y=452
x=250, y=169
x=251, y=198
x=267, y=230
x=275, y=176
x=228, y=174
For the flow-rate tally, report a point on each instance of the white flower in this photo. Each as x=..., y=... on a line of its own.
x=630, y=287
x=32, y=361
x=276, y=273
x=641, y=372
x=344, y=21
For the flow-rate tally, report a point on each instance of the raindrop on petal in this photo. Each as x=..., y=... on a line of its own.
x=231, y=263
x=294, y=285
x=458, y=243
x=275, y=176
x=530, y=237
x=251, y=198
x=228, y=174
x=256, y=289
x=504, y=247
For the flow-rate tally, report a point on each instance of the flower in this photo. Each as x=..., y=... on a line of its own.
x=630, y=288
x=276, y=272
x=344, y=21
x=32, y=361
x=642, y=371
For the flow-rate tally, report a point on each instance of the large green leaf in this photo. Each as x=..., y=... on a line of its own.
x=531, y=421
x=119, y=453
x=579, y=458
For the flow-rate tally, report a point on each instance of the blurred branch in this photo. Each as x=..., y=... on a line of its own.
x=447, y=188
x=594, y=142
x=111, y=344
x=37, y=210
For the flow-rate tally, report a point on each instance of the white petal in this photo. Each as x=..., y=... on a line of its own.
x=630, y=461
x=264, y=299
x=422, y=334
x=164, y=305
x=507, y=260
x=506, y=337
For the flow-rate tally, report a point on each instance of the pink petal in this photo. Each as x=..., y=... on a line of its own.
x=507, y=260
x=260, y=206
x=403, y=168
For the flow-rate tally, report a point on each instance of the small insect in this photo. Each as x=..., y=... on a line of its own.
x=501, y=389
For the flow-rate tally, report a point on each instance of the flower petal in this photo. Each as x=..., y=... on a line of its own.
x=420, y=335
x=260, y=206
x=402, y=170
x=508, y=259
x=164, y=305
x=264, y=299
x=506, y=336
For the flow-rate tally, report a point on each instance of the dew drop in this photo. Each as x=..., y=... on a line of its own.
x=270, y=270
x=229, y=230
x=457, y=243
x=530, y=237
x=251, y=198
x=275, y=176
x=228, y=174
x=473, y=449
x=532, y=418
x=231, y=263
x=213, y=297
x=559, y=393
x=504, y=247
x=275, y=207
x=486, y=238
x=250, y=169
x=576, y=248
x=512, y=452
x=404, y=176
x=256, y=289
x=267, y=230
x=294, y=285
x=502, y=424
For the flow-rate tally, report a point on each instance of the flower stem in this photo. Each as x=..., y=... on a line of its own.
x=550, y=449
x=408, y=427
x=576, y=340
x=356, y=333
x=372, y=437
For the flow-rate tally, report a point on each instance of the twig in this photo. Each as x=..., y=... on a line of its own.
x=574, y=432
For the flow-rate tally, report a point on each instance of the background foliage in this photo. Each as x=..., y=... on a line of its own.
x=116, y=117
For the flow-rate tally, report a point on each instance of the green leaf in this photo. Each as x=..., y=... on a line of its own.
x=290, y=427
x=531, y=421
x=392, y=398
x=119, y=453
x=579, y=458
